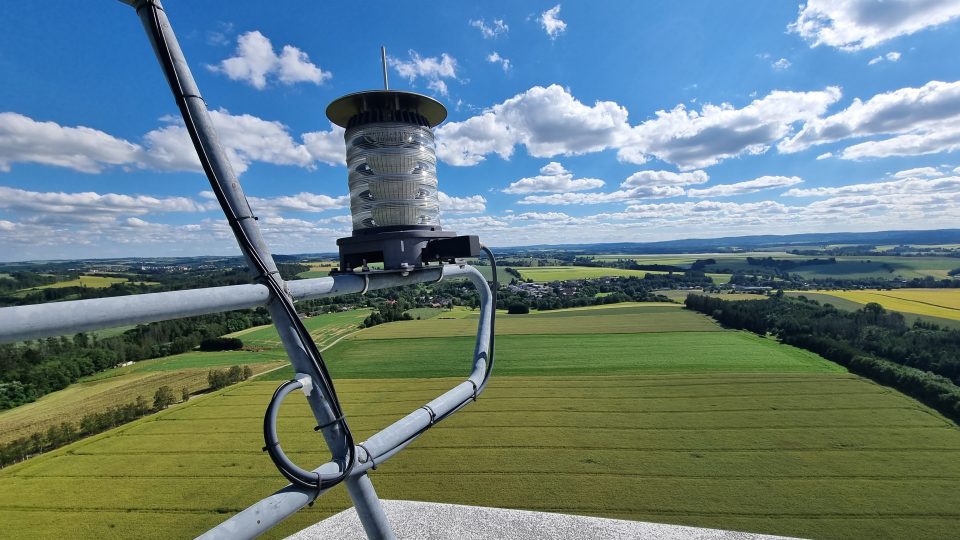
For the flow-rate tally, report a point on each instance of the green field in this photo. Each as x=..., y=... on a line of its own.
x=620, y=320
x=571, y=354
x=426, y=312
x=325, y=330
x=711, y=428
x=563, y=273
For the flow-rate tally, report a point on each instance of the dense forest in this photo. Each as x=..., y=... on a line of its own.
x=922, y=360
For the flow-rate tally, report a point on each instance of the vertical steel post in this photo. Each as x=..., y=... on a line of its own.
x=368, y=507
x=185, y=90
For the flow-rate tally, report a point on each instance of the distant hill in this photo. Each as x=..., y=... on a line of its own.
x=751, y=243
x=731, y=244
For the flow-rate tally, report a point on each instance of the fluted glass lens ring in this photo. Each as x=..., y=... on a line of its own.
x=392, y=175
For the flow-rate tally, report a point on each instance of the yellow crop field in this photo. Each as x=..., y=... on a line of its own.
x=943, y=303
x=95, y=282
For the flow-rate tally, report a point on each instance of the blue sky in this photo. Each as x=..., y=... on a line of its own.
x=571, y=122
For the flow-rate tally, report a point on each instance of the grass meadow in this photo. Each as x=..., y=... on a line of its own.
x=325, y=330
x=702, y=427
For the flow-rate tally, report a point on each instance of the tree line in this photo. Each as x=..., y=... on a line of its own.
x=21, y=279
x=96, y=422
x=160, y=281
x=921, y=360
x=32, y=369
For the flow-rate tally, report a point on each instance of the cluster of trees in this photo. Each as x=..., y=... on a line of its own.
x=221, y=344
x=32, y=369
x=222, y=378
x=518, y=309
x=388, y=312
x=592, y=292
x=701, y=264
x=785, y=265
x=922, y=360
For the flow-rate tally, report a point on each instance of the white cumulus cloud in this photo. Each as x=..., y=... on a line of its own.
x=748, y=186
x=542, y=216
x=917, y=172
x=890, y=57
x=245, y=139
x=551, y=23
x=255, y=60
x=665, y=178
x=326, y=146
x=926, y=120
x=781, y=65
x=301, y=202
x=553, y=178
x=693, y=139
x=902, y=186
x=58, y=207
x=434, y=69
x=551, y=122
x=495, y=58
x=861, y=24
x=548, y=121
x=474, y=204
x=934, y=141
x=83, y=149
x=492, y=30
x=619, y=196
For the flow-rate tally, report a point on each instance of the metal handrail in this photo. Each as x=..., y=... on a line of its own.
x=20, y=323
x=266, y=513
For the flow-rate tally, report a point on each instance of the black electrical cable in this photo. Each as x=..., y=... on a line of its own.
x=286, y=467
x=265, y=275
x=493, y=321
